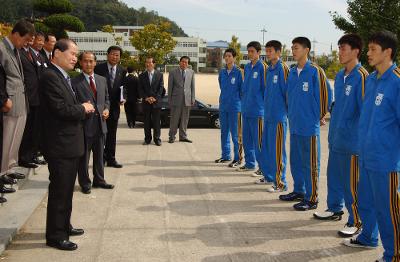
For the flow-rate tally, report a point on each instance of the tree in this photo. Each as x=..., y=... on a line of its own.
x=285, y=52
x=153, y=40
x=236, y=45
x=369, y=16
x=58, y=19
x=4, y=30
x=109, y=29
x=334, y=66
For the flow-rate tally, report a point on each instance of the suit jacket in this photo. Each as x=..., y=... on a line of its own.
x=180, y=92
x=46, y=60
x=154, y=89
x=132, y=86
x=31, y=76
x=15, y=80
x=84, y=94
x=114, y=91
x=3, y=91
x=62, y=117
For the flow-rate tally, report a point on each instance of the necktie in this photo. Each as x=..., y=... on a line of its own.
x=112, y=76
x=150, y=77
x=18, y=59
x=29, y=55
x=183, y=76
x=49, y=56
x=70, y=85
x=93, y=86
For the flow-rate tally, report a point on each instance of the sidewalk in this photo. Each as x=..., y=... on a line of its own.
x=172, y=203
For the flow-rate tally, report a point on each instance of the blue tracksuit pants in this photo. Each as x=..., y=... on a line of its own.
x=273, y=153
x=379, y=204
x=342, y=179
x=252, y=135
x=305, y=153
x=231, y=128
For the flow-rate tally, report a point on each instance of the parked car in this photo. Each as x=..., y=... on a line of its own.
x=201, y=114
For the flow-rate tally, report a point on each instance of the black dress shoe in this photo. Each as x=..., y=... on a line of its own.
x=28, y=165
x=76, y=232
x=171, y=140
x=158, y=143
x=86, y=190
x=6, y=190
x=8, y=180
x=16, y=175
x=145, y=143
x=39, y=161
x=104, y=185
x=185, y=140
x=114, y=164
x=3, y=200
x=62, y=244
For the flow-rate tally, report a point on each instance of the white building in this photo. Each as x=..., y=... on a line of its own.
x=98, y=42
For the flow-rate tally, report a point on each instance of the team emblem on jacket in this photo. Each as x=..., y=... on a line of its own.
x=255, y=74
x=305, y=86
x=233, y=80
x=378, y=99
x=275, y=79
x=348, y=90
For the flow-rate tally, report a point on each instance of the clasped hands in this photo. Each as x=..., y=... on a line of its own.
x=150, y=100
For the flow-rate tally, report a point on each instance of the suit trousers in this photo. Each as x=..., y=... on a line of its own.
x=111, y=140
x=151, y=119
x=61, y=188
x=179, y=118
x=130, y=111
x=29, y=144
x=93, y=144
x=13, y=130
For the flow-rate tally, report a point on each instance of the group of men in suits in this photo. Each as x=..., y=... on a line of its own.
x=14, y=101
x=181, y=97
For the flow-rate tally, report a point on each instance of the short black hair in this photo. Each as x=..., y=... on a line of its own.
x=40, y=33
x=184, y=57
x=80, y=57
x=62, y=45
x=230, y=50
x=23, y=27
x=129, y=69
x=303, y=41
x=385, y=39
x=353, y=40
x=274, y=44
x=114, y=47
x=254, y=44
x=46, y=38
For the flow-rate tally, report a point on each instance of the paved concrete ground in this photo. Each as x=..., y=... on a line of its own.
x=172, y=203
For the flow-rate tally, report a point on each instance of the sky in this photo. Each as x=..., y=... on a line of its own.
x=283, y=20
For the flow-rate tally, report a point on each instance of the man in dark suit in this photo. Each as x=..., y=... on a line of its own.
x=49, y=42
x=92, y=87
x=5, y=105
x=63, y=142
x=132, y=94
x=31, y=80
x=115, y=75
x=151, y=87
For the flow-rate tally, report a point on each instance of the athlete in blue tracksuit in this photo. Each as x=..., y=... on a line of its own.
x=273, y=151
x=343, y=168
x=309, y=98
x=379, y=127
x=230, y=82
x=253, y=106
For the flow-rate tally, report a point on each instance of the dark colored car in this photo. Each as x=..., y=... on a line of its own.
x=201, y=114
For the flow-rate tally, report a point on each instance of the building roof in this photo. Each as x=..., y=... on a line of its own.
x=216, y=44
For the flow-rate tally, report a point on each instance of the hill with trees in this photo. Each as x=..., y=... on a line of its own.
x=93, y=13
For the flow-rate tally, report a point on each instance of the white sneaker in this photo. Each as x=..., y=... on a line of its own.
x=258, y=173
x=245, y=169
x=349, y=230
x=274, y=189
x=329, y=215
x=262, y=181
x=353, y=242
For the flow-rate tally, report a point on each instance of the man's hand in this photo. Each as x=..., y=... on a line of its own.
x=106, y=114
x=7, y=106
x=88, y=107
x=322, y=122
